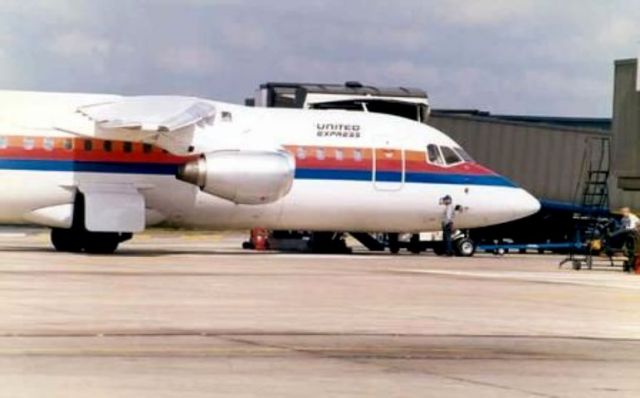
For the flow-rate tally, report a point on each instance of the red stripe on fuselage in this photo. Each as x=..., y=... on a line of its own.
x=315, y=157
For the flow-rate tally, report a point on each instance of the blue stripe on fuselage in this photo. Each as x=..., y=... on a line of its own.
x=410, y=177
x=89, y=167
x=301, y=173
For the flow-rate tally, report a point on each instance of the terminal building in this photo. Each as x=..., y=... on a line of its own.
x=575, y=166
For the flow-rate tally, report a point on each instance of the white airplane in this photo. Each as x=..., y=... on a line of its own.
x=99, y=168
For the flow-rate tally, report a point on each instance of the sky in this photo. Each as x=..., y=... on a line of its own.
x=533, y=57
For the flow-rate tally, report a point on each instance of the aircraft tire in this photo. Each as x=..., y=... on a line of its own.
x=66, y=240
x=394, y=245
x=101, y=243
x=465, y=247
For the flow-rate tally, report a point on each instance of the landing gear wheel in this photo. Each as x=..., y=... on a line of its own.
x=66, y=240
x=465, y=247
x=394, y=245
x=414, y=244
x=75, y=241
x=101, y=243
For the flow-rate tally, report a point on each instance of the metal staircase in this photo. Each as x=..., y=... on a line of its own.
x=592, y=194
x=595, y=166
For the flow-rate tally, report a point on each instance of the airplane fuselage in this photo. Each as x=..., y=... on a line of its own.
x=354, y=171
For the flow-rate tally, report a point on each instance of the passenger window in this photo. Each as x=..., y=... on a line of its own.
x=68, y=144
x=464, y=155
x=357, y=155
x=147, y=148
x=3, y=142
x=300, y=153
x=88, y=145
x=28, y=143
x=48, y=144
x=127, y=147
x=107, y=146
x=433, y=155
x=450, y=156
x=320, y=154
x=339, y=155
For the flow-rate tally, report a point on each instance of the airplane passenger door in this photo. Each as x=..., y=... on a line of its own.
x=388, y=164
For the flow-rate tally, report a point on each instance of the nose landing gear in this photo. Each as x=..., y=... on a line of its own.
x=464, y=247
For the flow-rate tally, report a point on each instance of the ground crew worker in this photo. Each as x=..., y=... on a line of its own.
x=630, y=224
x=447, y=224
x=629, y=221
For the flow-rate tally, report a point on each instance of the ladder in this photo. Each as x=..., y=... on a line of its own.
x=595, y=191
x=592, y=193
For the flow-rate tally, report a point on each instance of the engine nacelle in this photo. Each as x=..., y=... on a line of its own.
x=243, y=177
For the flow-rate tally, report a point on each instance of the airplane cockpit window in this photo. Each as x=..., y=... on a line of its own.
x=464, y=155
x=450, y=156
x=433, y=155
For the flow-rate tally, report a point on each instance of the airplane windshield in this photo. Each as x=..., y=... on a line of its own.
x=450, y=156
x=464, y=155
x=433, y=155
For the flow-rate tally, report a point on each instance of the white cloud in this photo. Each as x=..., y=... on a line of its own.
x=193, y=59
x=79, y=44
x=620, y=32
x=542, y=56
x=482, y=12
x=61, y=11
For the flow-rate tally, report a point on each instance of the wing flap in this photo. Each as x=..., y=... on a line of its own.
x=150, y=113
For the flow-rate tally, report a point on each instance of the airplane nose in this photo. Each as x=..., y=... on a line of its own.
x=526, y=204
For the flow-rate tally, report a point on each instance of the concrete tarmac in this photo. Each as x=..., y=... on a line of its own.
x=191, y=315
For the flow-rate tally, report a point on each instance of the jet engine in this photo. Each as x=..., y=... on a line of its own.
x=242, y=177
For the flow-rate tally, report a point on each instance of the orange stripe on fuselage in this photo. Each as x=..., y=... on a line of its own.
x=314, y=157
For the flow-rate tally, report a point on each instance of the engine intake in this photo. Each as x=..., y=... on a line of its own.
x=242, y=177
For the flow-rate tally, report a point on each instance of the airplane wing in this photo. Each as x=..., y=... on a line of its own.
x=150, y=113
x=166, y=121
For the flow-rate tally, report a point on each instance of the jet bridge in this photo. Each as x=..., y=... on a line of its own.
x=410, y=103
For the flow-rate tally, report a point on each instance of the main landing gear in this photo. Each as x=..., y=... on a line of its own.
x=77, y=240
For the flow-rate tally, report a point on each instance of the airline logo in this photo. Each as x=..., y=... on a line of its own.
x=338, y=130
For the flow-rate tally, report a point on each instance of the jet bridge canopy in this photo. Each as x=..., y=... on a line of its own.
x=411, y=103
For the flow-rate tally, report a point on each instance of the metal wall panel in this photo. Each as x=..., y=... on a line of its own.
x=626, y=125
x=545, y=160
